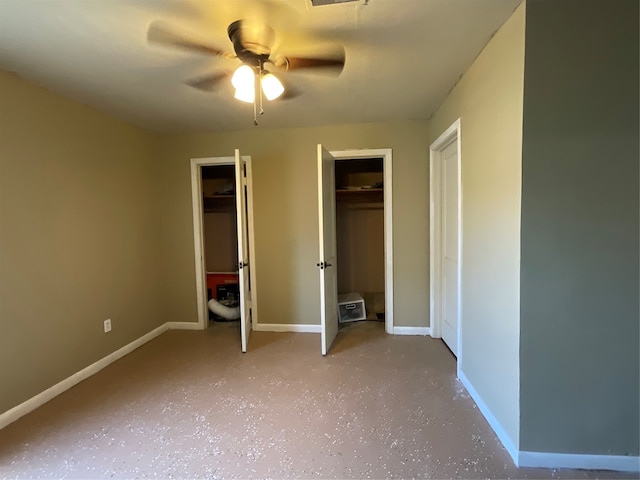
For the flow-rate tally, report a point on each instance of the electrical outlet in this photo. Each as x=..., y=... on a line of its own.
x=107, y=325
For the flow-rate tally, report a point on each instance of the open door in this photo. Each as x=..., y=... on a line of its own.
x=450, y=241
x=327, y=265
x=243, y=251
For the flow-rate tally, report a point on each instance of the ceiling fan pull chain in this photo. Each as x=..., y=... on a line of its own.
x=260, y=87
x=255, y=116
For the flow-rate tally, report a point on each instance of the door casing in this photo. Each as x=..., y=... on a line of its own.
x=387, y=163
x=451, y=134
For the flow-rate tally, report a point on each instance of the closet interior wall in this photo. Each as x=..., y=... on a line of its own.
x=360, y=231
x=219, y=225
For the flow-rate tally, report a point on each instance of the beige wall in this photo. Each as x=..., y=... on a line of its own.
x=488, y=100
x=286, y=218
x=78, y=238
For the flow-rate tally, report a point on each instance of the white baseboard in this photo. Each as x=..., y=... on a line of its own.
x=490, y=417
x=589, y=462
x=284, y=327
x=183, y=326
x=40, y=399
x=411, y=330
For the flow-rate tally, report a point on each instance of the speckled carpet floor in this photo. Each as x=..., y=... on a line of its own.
x=189, y=405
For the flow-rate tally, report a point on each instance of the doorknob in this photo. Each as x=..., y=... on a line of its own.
x=242, y=265
x=323, y=265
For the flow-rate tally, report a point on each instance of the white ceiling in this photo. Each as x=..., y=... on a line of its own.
x=402, y=57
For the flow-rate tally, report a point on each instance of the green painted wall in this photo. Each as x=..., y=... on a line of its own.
x=579, y=343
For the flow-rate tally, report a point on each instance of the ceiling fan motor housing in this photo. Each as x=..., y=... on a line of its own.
x=252, y=41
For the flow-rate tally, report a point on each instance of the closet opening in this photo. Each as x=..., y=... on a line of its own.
x=220, y=247
x=355, y=214
x=356, y=183
x=223, y=243
x=359, y=190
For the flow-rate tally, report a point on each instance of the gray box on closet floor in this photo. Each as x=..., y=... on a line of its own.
x=351, y=308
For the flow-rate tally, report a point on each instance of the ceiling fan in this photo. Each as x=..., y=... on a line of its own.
x=252, y=46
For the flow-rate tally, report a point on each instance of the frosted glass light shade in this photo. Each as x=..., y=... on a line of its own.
x=271, y=86
x=243, y=77
x=243, y=80
x=246, y=94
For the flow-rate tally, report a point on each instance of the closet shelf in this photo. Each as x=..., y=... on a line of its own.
x=218, y=202
x=361, y=195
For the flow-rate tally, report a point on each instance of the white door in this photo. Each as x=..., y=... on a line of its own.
x=243, y=251
x=327, y=265
x=450, y=246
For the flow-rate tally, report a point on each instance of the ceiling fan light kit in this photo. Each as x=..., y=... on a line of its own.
x=252, y=42
x=244, y=80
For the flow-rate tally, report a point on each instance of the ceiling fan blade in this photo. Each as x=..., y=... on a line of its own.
x=289, y=91
x=331, y=64
x=210, y=82
x=162, y=35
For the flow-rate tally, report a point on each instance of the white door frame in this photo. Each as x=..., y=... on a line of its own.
x=387, y=161
x=198, y=235
x=451, y=134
